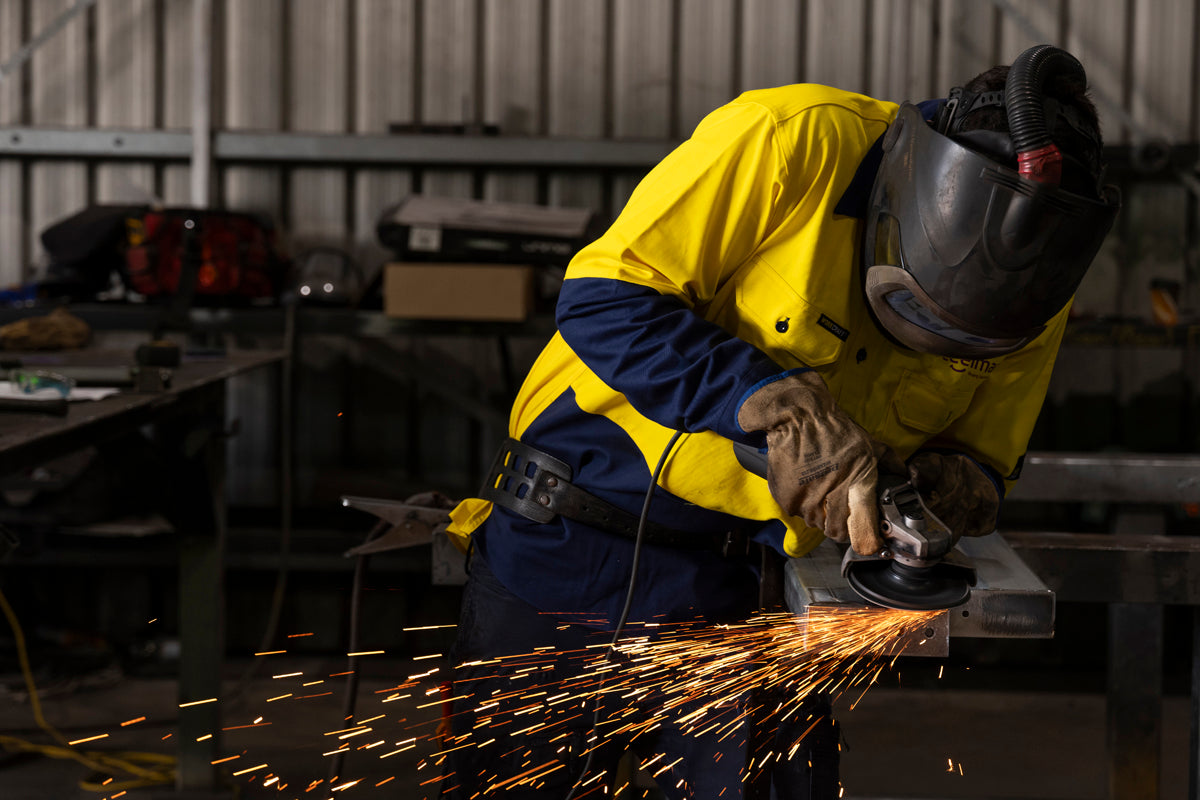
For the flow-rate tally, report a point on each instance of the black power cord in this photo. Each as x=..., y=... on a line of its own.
x=633, y=570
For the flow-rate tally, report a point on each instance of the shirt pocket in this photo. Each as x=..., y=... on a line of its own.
x=924, y=408
x=775, y=318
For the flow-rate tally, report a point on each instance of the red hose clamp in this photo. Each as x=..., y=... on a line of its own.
x=1043, y=165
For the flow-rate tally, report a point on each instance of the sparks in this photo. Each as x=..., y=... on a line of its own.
x=702, y=678
x=88, y=739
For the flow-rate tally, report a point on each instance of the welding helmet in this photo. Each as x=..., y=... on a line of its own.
x=974, y=240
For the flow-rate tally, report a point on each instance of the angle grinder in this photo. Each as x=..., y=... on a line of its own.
x=918, y=568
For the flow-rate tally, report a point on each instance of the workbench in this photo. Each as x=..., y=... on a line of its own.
x=191, y=407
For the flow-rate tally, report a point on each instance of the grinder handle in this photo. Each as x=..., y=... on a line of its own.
x=751, y=459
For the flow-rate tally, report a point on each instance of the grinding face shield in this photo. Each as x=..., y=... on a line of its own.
x=965, y=257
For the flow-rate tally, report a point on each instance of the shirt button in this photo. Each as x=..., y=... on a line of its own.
x=782, y=325
x=861, y=355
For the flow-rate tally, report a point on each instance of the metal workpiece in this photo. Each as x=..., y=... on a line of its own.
x=1008, y=600
x=814, y=582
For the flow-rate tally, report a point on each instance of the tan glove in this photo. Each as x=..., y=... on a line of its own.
x=821, y=466
x=957, y=491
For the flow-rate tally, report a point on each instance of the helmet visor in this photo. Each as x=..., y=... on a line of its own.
x=990, y=256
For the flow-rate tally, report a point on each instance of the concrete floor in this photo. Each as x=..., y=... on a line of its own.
x=899, y=741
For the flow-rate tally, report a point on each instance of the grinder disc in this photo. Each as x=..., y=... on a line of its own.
x=894, y=585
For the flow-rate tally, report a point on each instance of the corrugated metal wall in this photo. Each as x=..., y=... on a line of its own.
x=571, y=68
x=642, y=69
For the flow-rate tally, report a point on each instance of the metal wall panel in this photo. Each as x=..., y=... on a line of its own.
x=707, y=58
x=642, y=77
x=1163, y=68
x=968, y=45
x=1096, y=34
x=578, y=103
x=126, y=84
x=449, y=89
x=317, y=76
x=176, y=80
x=512, y=87
x=771, y=43
x=253, y=96
x=837, y=48
x=384, y=93
x=13, y=225
x=59, y=71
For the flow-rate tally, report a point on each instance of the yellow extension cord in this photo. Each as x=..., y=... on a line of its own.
x=143, y=769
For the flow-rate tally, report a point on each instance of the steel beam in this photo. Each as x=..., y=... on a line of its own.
x=493, y=152
x=1114, y=568
x=112, y=144
x=1109, y=477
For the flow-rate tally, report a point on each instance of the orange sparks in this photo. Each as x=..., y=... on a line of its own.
x=88, y=739
x=696, y=676
x=249, y=769
x=134, y=721
x=429, y=627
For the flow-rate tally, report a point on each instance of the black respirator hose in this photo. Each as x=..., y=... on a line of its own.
x=1037, y=155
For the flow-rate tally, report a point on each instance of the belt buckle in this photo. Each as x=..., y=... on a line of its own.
x=522, y=479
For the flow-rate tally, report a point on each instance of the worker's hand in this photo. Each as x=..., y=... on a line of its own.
x=821, y=466
x=957, y=490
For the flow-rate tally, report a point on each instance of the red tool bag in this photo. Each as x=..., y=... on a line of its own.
x=237, y=254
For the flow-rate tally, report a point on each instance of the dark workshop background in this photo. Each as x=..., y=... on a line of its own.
x=314, y=87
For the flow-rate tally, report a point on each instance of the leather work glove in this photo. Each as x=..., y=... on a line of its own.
x=821, y=465
x=957, y=490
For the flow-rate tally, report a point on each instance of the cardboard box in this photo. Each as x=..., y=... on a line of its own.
x=494, y=292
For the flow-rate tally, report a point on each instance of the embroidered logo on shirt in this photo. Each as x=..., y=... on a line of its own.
x=978, y=367
x=831, y=326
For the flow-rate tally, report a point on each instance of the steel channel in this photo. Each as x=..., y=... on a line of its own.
x=1108, y=477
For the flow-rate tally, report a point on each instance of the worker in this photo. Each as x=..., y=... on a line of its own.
x=851, y=284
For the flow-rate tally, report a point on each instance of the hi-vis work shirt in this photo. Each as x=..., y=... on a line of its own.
x=736, y=258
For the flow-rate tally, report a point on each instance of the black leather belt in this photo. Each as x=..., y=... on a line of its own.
x=538, y=487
